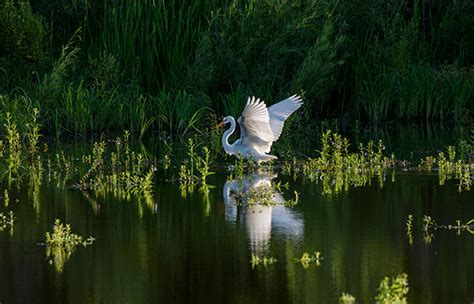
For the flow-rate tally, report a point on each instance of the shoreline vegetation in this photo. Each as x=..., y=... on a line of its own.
x=93, y=67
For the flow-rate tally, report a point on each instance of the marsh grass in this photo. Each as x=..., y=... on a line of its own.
x=454, y=163
x=339, y=169
x=161, y=65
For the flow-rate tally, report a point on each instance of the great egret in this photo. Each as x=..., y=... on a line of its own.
x=259, y=127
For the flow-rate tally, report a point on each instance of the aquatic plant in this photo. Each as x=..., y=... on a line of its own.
x=61, y=243
x=203, y=164
x=7, y=220
x=32, y=134
x=14, y=146
x=409, y=228
x=393, y=290
x=347, y=298
x=294, y=201
x=340, y=169
x=6, y=197
x=263, y=195
x=264, y=260
x=460, y=168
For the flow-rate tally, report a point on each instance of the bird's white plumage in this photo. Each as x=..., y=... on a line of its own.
x=260, y=127
x=279, y=112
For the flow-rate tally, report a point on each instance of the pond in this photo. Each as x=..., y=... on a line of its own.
x=198, y=246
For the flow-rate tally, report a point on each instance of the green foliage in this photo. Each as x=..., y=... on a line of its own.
x=340, y=169
x=451, y=167
x=7, y=220
x=164, y=65
x=393, y=290
x=23, y=34
x=347, y=298
x=61, y=243
x=390, y=291
x=268, y=48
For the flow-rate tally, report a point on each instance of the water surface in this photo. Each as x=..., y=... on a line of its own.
x=198, y=248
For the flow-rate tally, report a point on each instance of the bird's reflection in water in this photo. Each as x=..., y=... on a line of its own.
x=243, y=204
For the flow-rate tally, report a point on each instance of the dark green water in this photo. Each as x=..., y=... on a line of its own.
x=198, y=249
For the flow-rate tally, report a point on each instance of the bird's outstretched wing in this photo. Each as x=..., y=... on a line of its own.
x=255, y=130
x=260, y=126
x=280, y=111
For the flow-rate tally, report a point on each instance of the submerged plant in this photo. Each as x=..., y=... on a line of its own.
x=61, y=243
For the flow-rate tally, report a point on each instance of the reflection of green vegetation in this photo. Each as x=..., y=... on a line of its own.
x=7, y=220
x=339, y=169
x=61, y=243
x=307, y=259
x=264, y=260
x=409, y=227
x=6, y=198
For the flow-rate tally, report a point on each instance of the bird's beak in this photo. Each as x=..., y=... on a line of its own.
x=221, y=124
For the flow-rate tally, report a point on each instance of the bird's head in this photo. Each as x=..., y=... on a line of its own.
x=225, y=121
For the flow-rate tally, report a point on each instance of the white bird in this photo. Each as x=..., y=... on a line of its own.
x=259, y=127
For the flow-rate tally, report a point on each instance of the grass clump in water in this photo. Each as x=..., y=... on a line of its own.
x=393, y=290
x=340, y=169
x=347, y=298
x=196, y=162
x=61, y=243
x=122, y=171
x=450, y=166
x=390, y=291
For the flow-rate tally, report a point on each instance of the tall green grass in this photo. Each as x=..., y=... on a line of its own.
x=153, y=39
x=171, y=66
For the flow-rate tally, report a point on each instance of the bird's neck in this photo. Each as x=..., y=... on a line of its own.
x=225, y=138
